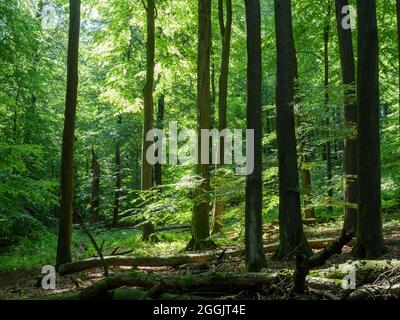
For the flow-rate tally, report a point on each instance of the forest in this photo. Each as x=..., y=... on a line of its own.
x=200, y=150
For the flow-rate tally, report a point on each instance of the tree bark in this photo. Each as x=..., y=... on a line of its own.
x=328, y=145
x=398, y=46
x=292, y=238
x=369, y=225
x=225, y=32
x=160, y=126
x=201, y=208
x=95, y=189
x=255, y=257
x=350, y=120
x=67, y=157
x=309, y=212
x=117, y=191
x=147, y=170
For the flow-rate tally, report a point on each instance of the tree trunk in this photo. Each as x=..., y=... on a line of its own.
x=398, y=45
x=200, y=220
x=213, y=93
x=292, y=238
x=255, y=257
x=225, y=31
x=160, y=126
x=350, y=120
x=67, y=158
x=117, y=192
x=15, y=116
x=369, y=225
x=95, y=189
x=309, y=212
x=147, y=174
x=328, y=145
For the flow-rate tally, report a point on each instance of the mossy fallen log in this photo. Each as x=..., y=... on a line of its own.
x=365, y=271
x=174, y=284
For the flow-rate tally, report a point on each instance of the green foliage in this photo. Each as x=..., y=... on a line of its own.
x=112, y=72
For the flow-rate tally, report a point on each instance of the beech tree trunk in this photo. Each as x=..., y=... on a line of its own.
x=201, y=208
x=117, y=191
x=369, y=225
x=67, y=157
x=225, y=32
x=398, y=46
x=160, y=126
x=309, y=212
x=350, y=120
x=255, y=257
x=292, y=238
x=95, y=188
x=147, y=170
x=327, y=108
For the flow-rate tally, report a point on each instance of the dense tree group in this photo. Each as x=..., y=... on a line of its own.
x=323, y=103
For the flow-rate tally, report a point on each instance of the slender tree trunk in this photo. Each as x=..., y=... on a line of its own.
x=36, y=57
x=292, y=239
x=201, y=209
x=225, y=32
x=95, y=189
x=255, y=257
x=147, y=174
x=213, y=93
x=305, y=174
x=117, y=192
x=350, y=120
x=398, y=46
x=328, y=145
x=160, y=126
x=15, y=116
x=369, y=226
x=67, y=157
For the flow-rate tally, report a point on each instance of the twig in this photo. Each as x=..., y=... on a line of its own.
x=99, y=250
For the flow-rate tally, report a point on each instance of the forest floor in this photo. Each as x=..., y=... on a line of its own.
x=26, y=283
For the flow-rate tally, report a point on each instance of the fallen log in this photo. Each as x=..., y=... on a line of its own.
x=179, y=284
x=126, y=261
x=365, y=271
x=178, y=227
x=376, y=292
x=168, y=261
